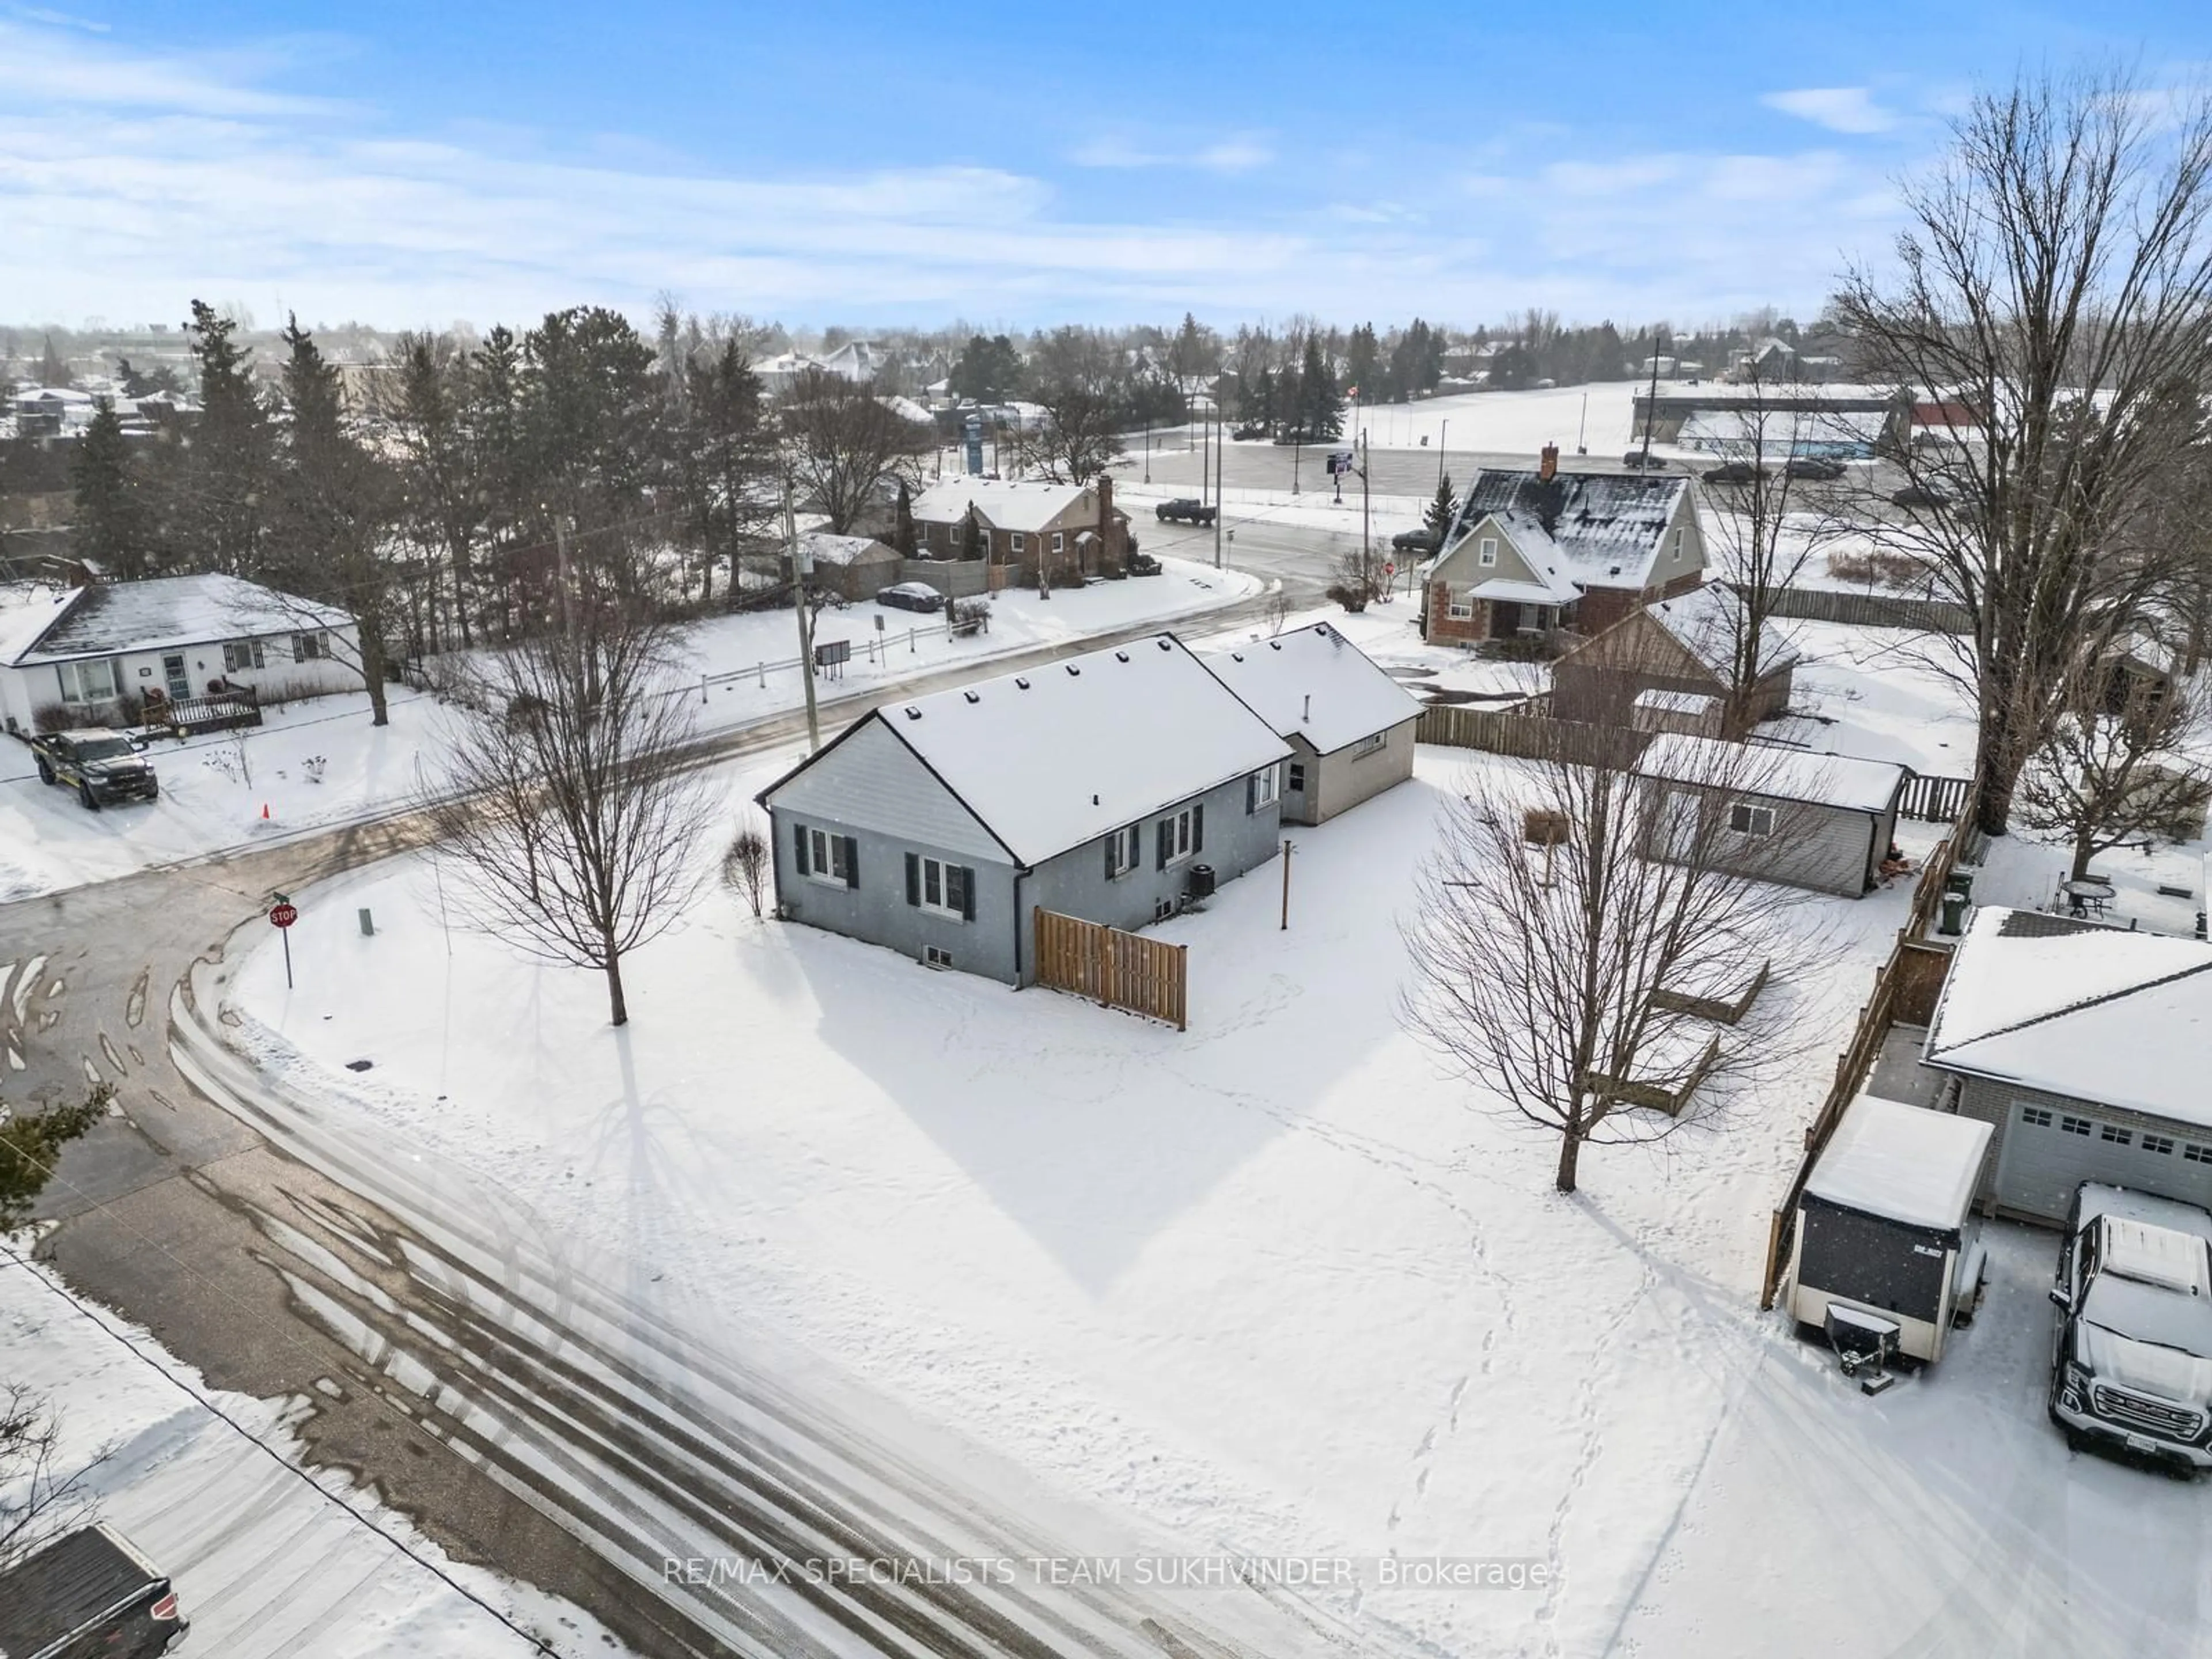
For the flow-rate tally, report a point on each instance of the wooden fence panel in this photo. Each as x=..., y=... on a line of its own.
x=1933, y=798
x=1121, y=969
x=1870, y=609
x=1529, y=737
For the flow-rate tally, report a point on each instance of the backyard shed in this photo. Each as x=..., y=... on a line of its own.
x=2084, y=1047
x=851, y=567
x=1804, y=820
x=1682, y=648
x=1349, y=724
x=1885, y=1224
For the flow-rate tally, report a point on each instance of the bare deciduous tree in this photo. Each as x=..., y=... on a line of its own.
x=40, y=1497
x=1545, y=932
x=744, y=867
x=1079, y=438
x=2113, y=769
x=843, y=443
x=563, y=793
x=2050, y=302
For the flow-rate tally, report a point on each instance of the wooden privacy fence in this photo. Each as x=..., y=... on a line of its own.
x=1904, y=988
x=1122, y=970
x=1869, y=609
x=1529, y=737
x=1934, y=800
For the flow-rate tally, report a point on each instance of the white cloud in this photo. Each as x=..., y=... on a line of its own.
x=1238, y=154
x=1840, y=109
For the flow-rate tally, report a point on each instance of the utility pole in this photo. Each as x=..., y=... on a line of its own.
x=1289, y=848
x=1652, y=401
x=1364, y=557
x=1205, y=454
x=1443, y=427
x=1220, y=458
x=802, y=568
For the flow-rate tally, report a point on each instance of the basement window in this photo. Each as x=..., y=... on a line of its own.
x=937, y=956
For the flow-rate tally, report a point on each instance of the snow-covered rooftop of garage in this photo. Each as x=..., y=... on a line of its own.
x=1314, y=684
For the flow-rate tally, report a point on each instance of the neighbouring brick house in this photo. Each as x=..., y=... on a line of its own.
x=1648, y=668
x=1540, y=551
x=1072, y=530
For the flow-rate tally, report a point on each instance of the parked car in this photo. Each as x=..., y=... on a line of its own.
x=2132, y=1359
x=1641, y=461
x=1142, y=564
x=1735, y=472
x=1818, y=468
x=1919, y=495
x=100, y=765
x=1186, y=509
x=911, y=596
x=87, y=1593
x=1422, y=541
x=1248, y=431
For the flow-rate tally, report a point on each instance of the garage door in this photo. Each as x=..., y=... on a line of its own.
x=2049, y=1152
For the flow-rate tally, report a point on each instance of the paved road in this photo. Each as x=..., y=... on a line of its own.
x=526, y=1409
x=1390, y=471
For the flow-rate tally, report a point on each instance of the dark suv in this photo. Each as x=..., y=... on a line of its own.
x=102, y=766
x=1187, y=509
x=2132, y=1360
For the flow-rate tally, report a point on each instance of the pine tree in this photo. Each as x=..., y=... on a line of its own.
x=1437, y=519
x=212, y=492
x=112, y=531
x=52, y=370
x=1363, y=365
x=902, y=524
x=1319, y=414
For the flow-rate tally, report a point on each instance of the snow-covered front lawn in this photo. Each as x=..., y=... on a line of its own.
x=1274, y=1285
x=320, y=762
x=266, y=1560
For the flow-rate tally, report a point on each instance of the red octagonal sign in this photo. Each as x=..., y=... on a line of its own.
x=285, y=915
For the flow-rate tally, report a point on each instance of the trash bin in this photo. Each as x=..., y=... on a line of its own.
x=1961, y=882
x=1954, y=914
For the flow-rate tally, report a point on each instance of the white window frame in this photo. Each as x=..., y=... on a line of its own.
x=1266, y=787
x=76, y=680
x=1016, y=542
x=1486, y=552
x=939, y=873
x=825, y=858
x=239, y=655
x=1749, y=818
x=1370, y=744
x=1180, y=849
x=1459, y=607
x=1677, y=543
x=1128, y=845
x=1059, y=541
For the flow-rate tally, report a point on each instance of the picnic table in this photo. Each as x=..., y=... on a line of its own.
x=2089, y=896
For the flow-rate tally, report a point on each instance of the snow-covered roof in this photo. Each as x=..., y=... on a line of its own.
x=823, y=548
x=1509, y=590
x=1315, y=683
x=1708, y=620
x=2099, y=1013
x=1905, y=1163
x=1862, y=786
x=1606, y=528
x=1004, y=503
x=108, y=617
x=1059, y=755
x=26, y=611
x=1678, y=702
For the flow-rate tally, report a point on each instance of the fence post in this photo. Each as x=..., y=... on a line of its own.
x=763, y=674
x=702, y=688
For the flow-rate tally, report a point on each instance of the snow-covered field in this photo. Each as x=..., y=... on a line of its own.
x=1273, y=1285
x=1602, y=414
x=321, y=763
x=269, y=1561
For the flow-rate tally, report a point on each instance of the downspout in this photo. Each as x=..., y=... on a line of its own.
x=1021, y=873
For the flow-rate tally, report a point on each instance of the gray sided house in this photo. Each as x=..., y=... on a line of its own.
x=1349, y=724
x=1803, y=820
x=2084, y=1046
x=1684, y=648
x=1096, y=787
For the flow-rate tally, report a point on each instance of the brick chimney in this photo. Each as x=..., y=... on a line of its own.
x=1109, y=542
x=1549, y=467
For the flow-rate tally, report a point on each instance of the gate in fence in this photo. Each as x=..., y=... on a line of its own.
x=1933, y=799
x=1123, y=970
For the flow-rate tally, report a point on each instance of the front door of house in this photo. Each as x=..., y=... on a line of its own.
x=173, y=671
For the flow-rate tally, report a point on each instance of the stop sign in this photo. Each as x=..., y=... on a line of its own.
x=1390, y=569
x=285, y=915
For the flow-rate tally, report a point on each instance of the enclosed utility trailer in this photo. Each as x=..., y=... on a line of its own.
x=1885, y=1227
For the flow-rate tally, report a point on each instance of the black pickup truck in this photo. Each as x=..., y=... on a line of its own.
x=87, y=1593
x=102, y=766
x=1187, y=509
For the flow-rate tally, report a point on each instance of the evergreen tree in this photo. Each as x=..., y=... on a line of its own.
x=1194, y=353
x=52, y=370
x=1363, y=365
x=135, y=384
x=1319, y=413
x=989, y=370
x=1438, y=517
x=211, y=492
x=739, y=452
x=113, y=530
x=903, y=523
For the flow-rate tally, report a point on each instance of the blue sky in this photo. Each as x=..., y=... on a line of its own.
x=831, y=161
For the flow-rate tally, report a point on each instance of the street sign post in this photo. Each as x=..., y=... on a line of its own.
x=282, y=914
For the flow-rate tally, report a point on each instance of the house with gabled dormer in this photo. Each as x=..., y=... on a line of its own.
x=1540, y=552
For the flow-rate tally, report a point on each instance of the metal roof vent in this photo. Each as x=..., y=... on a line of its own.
x=1022, y=680
x=1074, y=668
x=1274, y=645
x=973, y=696
x=1120, y=656
x=1237, y=656
x=1166, y=644
x=912, y=713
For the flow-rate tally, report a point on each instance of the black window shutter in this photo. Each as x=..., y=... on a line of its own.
x=1167, y=841
x=1252, y=793
x=914, y=877
x=852, y=861
x=1113, y=846
x=967, y=895
x=1198, y=828
x=799, y=847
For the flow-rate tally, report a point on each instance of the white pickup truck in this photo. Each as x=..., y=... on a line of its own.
x=2132, y=1360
